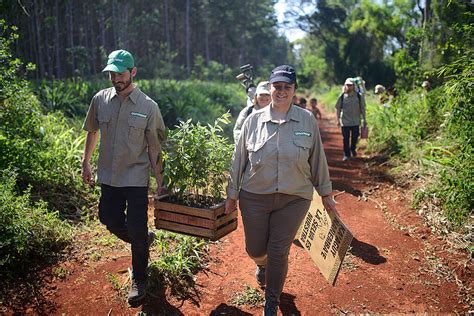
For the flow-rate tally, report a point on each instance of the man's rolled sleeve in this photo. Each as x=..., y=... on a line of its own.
x=155, y=129
x=239, y=162
x=319, y=166
x=91, y=124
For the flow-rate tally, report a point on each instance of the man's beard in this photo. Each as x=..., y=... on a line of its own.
x=120, y=86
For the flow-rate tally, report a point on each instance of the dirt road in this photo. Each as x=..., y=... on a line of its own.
x=396, y=265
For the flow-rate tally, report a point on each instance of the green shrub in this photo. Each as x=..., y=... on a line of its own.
x=43, y=150
x=196, y=160
x=178, y=100
x=329, y=98
x=30, y=233
x=71, y=96
x=434, y=130
x=202, y=101
x=179, y=258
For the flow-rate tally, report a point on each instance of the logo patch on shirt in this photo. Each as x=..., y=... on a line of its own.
x=300, y=133
x=137, y=114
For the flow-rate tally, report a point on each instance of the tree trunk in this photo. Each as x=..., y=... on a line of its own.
x=47, y=29
x=187, y=36
x=206, y=33
x=115, y=25
x=167, y=24
x=102, y=31
x=39, y=49
x=124, y=30
x=57, y=44
x=223, y=37
x=91, y=43
x=70, y=35
x=33, y=57
x=427, y=13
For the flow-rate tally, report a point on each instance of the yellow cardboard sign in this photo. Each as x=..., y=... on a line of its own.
x=326, y=239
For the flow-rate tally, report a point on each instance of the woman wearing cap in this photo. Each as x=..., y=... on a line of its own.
x=260, y=100
x=277, y=162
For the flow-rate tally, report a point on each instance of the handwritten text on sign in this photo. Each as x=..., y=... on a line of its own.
x=326, y=238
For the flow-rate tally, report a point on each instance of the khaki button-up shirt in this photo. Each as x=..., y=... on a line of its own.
x=350, y=109
x=127, y=128
x=285, y=157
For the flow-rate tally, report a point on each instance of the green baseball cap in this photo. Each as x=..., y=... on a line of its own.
x=119, y=61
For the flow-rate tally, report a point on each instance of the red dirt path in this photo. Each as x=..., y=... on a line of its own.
x=395, y=265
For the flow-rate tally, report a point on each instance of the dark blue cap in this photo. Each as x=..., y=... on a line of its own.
x=283, y=73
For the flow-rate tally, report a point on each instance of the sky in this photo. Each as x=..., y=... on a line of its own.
x=291, y=33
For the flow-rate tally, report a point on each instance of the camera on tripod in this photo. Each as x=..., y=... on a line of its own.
x=246, y=76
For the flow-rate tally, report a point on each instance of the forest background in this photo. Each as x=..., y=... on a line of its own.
x=188, y=53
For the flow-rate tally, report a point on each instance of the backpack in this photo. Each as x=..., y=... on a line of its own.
x=341, y=97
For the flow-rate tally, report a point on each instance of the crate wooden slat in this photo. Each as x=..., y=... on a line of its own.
x=211, y=223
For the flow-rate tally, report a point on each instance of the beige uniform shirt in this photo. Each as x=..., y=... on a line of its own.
x=280, y=158
x=350, y=110
x=126, y=129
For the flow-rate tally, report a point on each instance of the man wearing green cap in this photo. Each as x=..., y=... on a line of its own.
x=131, y=131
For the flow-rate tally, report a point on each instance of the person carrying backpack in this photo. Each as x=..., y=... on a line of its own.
x=350, y=107
x=260, y=100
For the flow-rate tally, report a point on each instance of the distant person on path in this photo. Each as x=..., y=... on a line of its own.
x=260, y=100
x=426, y=86
x=380, y=91
x=277, y=163
x=359, y=85
x=303, y=103
x=350, y=108
x=314, y=109
x=131, y=131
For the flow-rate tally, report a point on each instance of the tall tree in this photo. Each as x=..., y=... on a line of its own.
x=187, y=37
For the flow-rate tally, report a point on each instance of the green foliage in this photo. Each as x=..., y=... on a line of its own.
x=202, y=101
x=30, y=233
x=71, y=96
x=435, y=130
x=178, y=100
x=9, y=65
x=329, y=98
x=179, y=258
x=249, y=297
x=43, y=150
x=196, y=160
x=352, y=38
x=214, y=71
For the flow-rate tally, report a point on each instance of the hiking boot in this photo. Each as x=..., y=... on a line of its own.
x=270, y=309
x=354, y=153
x=137, y=292
x=345, y=158
x=260, y=275
x=151, y=238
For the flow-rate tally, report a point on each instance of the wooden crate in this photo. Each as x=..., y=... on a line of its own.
x=210, y=223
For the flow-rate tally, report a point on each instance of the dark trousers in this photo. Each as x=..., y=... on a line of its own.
x=350, y=136
x=130, y=226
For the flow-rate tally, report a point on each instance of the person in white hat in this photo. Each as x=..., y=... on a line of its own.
x=260, y=100
x=380, y=91
x=426, y=85
x=350, y=107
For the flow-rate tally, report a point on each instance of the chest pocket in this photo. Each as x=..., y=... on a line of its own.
x=136, y=127
x=103, y=116
x=303, y=145
x=255, y=154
